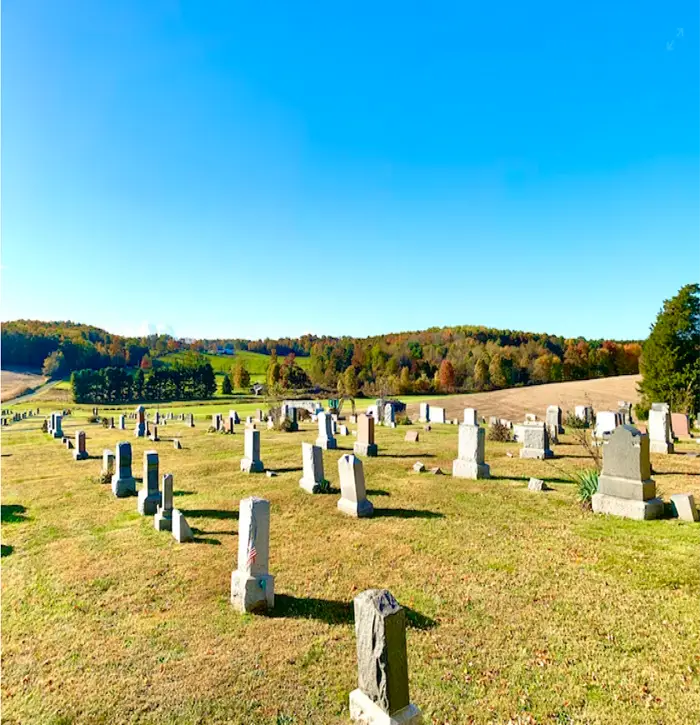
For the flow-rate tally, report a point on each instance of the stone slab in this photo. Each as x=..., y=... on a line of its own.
x=627, y=508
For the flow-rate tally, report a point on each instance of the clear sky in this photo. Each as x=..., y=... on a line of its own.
x=252, y=169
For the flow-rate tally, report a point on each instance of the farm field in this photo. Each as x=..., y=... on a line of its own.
x=523, y=607
x=15, y=383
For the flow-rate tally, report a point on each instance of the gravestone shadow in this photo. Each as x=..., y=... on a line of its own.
x=331, y=611
x=407, y=514
x=199, y=537
x=209, y=514
x=6, y=550
x=13, y=513
x=406, y=455
x=183, y=493
x=546, y=479
x=291, y=469
x=377, y=492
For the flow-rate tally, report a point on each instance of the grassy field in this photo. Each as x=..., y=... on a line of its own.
x=523, y=607
x=14, y=383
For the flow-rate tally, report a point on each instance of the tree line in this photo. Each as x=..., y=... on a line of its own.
x=192, y=380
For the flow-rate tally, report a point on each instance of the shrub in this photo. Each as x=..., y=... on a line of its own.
x=303, y=414
x=105, y=423
x=92, y=419
x=571, y=421
x=499, y=433
x=403, y=420
x=641, y=411
x=322, y=487
x=587, y=484
x=45, y=426
x=285, y=425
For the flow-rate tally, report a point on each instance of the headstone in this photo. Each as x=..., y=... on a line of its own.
x=424, y=413
x=251, y=462
x=353, y=494
x=427, y=428
x=230, y=425
x=291, y=415
x=216, y=421
x=530, y=417
x=56, y=426
x=343, y=430
x=470, y=457
x=684, y=508
x=624, y=408
x=156, y=418
x=411, y=436
x=553, y=423
x=680, y=425
x=233, y=414
x=605, y=423
x=140, y=429
x=270, y=423
x=353, y=419
x=190, y=422
x=537, y=484
x=80, y=453
x=177, y=445
x=365, y=445
x=149, y=495
x=154, y=434
x=68, y=444
x=252, y=586
x=107, y=462
x=584, y=413
x=312, y=461
x=418, y=467
x=259, y=415
x=123, y=483
x=382, y=664
x=535, y=440
x=163, y=519
x=437, y=415
x=471, y=416
x=122, y=422
x=437, y=471
x=389, y=416
x=625, y=487
x=660, y=440
x=182, y=533
x=325, y=438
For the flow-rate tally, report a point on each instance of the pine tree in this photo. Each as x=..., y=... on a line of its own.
x=226, y=387
x=670, y=362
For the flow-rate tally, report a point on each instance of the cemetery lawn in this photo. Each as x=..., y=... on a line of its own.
x=523, y=608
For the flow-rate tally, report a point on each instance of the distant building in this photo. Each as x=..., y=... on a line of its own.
x=225, y=350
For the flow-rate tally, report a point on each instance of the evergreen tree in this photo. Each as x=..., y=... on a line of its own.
x=670, y=362
x=226, y=387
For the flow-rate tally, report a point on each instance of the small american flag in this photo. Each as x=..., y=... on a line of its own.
x=252, y=534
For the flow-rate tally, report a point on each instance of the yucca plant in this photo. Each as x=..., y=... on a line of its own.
x=587, y=484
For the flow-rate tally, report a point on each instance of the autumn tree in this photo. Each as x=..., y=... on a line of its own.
x=446, y=376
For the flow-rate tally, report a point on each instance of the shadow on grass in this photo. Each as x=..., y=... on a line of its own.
x=675, y=473
x=377, y=492
x=210, y=514
x=6, y=550
x=13, y=513
x=406, y=455
x=546, y=479
x=183, y=493
x=291, y=469
x=92, y=458
x=407, y=514
x=332, y=612
x=201, y=538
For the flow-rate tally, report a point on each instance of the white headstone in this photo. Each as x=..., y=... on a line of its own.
x=353, y=495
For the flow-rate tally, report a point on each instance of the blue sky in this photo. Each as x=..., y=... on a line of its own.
x=270, y=169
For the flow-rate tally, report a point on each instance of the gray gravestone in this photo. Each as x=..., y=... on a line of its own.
x=470, y=461
x=325, y=438
x=123, y=483
x=312, y=461
x=251, y=462
x=149, y=496
x=163, y=519
x=353, y=494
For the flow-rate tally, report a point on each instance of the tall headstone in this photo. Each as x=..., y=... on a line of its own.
x=535, y=439
x=190, y=420
x=216, y=421
x=660, y=440
x=553, y=423
x=312, y=461
x=80, y=453
x=470, y=457
x=325, y=438
x=424, y=414
x=153, y=435
x=291, y=415
x=389, y=415
x=365, y=445
x=251, y=463
x=471, y=416
x=230, y=424
x=233, y=414
x=107, y=462
x=625, y=487
x=353, y=494
x=149, y=495
x=123, y=482
x=140, y=429
x=163, y=519
x=252, y=586
x=624, y=408
x=57, y=426
x=122, y=422
x=382, y=664
x=260, y=416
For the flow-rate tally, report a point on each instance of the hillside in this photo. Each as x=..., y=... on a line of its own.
x=513, y=403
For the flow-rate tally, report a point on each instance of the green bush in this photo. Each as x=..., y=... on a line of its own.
x=587, y=484
x=641, y=411
x=322, y=487
x=499, y=433
x=403, y=420
x=571, y=421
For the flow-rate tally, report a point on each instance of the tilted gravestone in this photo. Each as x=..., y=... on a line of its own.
x=684, y=508
x=312, y=460
x=353, y=494
x=123, y=483
x=470, y=461
x=252, y=586
x=325, y=438
x=625, y=486
x=149, y=495
x=251, y=462
x=365, y=445
x=382, y=664
x=411, y=436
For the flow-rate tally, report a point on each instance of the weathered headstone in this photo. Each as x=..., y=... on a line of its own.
x=535, y=440
x=389, y=416
x=56, y=426
x=382, y=665
x=470, y=457
x=411, y=436
x=230, y=424
x=251, y=463
x=140, y=429
x=80, y=453
x=163, y=519
x=343, y=430
x=107, y=462
x=424, y=414
x=182, y=533
x=190, y=420
x=325, y=438
x=537, y=484
x=530, y=417
x=365, y=445
x=123, y=482
x=660, y=440
x=684, y=508
x=216, y=421
x=149, y=495
x=419, y=467
x=625, y=487
x=312, y=461
x=624, y=408
x=553, y=423
x=252, y=586
x=353, y=494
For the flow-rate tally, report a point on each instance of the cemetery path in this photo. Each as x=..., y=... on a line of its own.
x=513, y=403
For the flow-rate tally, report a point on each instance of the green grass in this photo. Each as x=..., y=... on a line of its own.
x=522, y=607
